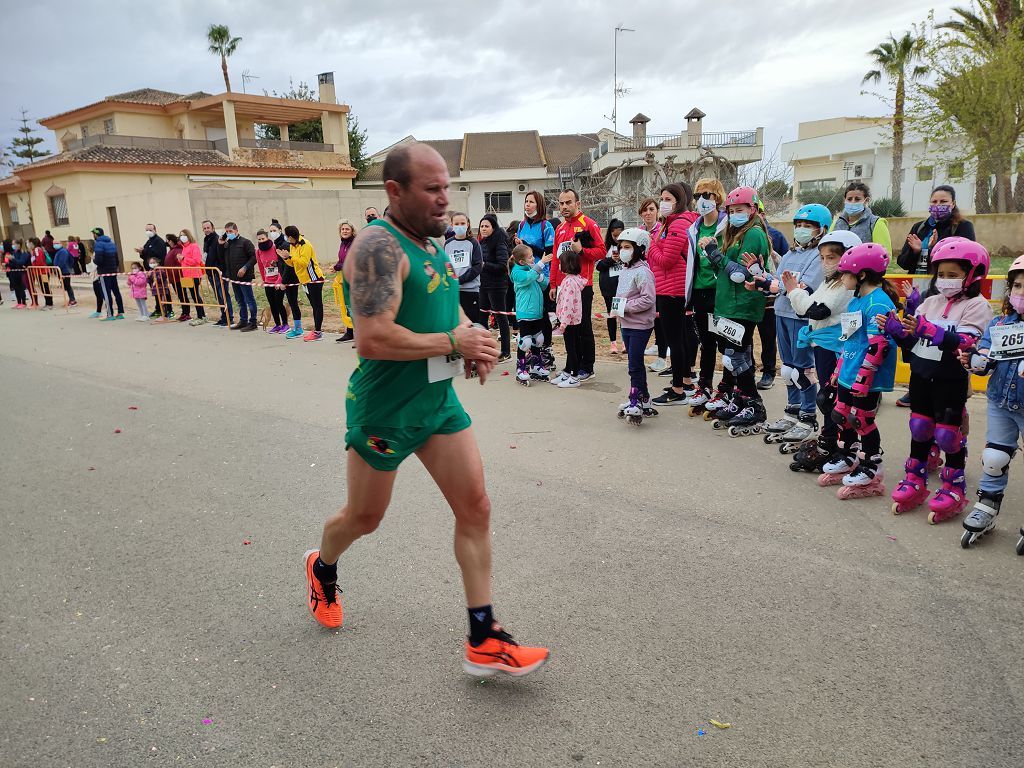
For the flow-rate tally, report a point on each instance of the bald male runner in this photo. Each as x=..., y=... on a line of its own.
x=412, y=341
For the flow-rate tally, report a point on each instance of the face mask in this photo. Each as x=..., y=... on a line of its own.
x=370, y=218
x=625, y=255
x=150, y=233
x=274, y=234
x=803, y=235
x=135, y=271
x=266, y=245
x=232, y=235
x=949, y=287
x=460, y=230
x=152, y=265
x=738, y=220
x=1017, y=302
x=665, y=208
x=852, y=209
x=184, y=238
x=704, y=207
x=940, y=212
x=829, y=270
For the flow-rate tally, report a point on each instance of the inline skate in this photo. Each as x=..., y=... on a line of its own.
x=812, y=455
x=731, y=408
x=750, y=419
x=648, y=407
x=522, y=373
x=864, y=481
x=1020, y=542
x=982, y=518
x=950, y=500
x=838, y=467
x=698, y=401
x=798, y=435
x=912, y=490
x=632, y=410
x=716, y=402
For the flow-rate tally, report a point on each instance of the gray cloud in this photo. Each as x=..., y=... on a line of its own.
x=437, y=70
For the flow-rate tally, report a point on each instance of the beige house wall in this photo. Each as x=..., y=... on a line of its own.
x=135, y=124
x=1001, y=233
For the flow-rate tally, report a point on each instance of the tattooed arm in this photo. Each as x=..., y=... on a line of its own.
x=375, y=270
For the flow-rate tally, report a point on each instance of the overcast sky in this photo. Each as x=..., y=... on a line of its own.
x=437, y=70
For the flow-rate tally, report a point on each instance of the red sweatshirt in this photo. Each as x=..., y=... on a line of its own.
x=564, y=235
x=668, y=253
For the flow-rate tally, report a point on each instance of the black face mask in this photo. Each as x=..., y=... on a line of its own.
x=266, y=245
x=370, y=218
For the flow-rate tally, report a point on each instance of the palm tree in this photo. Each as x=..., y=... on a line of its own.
x=983, y=28
x=895, y=58
x=223, y=44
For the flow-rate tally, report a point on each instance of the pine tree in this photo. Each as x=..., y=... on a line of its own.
x=24, y=146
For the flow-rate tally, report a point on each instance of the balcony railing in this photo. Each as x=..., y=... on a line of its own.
x=686, y=141
x=138, y=142
x=294, y=146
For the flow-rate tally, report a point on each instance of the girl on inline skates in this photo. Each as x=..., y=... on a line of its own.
x=823, y=309
x=803, y=263
x=1001, y=354
x=867, y=368
x=738, y=309
x=951, y=319
x=634, y=305
x=530, y=283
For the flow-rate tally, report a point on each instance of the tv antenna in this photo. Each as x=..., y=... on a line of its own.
x=248, y=77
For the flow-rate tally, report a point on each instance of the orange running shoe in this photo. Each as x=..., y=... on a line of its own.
x=500, y=653
x=322, y=598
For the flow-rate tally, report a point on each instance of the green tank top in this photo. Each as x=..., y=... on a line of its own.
x=391, y=393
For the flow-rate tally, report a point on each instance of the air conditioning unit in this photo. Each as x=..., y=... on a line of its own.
x=863, y=170
x=463, y=189
x=522, y=187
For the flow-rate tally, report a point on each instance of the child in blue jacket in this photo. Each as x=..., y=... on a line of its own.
x=530, y=282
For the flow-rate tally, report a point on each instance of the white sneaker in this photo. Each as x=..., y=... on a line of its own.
x=557, y=380
x=570, y=382
x=651, y=351
x=658, y=365
x=141, y=319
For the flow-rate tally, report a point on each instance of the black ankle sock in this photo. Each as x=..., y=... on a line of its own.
x=481, y=622
x=325, y=574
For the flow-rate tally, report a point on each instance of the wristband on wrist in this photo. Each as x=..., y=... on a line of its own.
x=451, y=338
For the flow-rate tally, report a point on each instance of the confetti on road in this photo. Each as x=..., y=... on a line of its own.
x=246, y=542
x=117, y=431
x=133, y=407
x=722, y=726
x=207, y=721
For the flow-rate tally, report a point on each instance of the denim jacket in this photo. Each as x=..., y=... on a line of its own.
x=1005, y=387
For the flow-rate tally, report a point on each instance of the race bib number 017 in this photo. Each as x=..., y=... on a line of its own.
x=444, y=367
x=850, y=323
x=1007, y=342
x=729, y=329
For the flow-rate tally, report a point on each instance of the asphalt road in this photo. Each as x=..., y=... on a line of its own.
x=678, y=575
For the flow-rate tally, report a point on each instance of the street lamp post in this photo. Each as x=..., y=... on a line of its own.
x=615, y=77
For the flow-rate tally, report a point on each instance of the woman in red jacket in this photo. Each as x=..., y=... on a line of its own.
x=667, y=258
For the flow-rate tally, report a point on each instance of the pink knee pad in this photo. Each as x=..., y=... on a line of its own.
x=949, y=438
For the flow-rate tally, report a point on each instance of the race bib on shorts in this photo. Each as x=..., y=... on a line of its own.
x=619, y=306
x=460, y=259
x=1007, y=341
x=925, y=350
x=444, y=367
x=850, y=323
x=729, y=329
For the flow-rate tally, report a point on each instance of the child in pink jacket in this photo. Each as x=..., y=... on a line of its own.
x=137, y=282
x=569, y=307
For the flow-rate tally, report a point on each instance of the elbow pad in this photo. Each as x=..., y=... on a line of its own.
x=818, y=312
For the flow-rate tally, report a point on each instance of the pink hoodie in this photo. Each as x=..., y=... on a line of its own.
x=192, y=260
x=137, y=281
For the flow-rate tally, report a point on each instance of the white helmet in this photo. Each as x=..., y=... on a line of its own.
x=843, y=237
x=636, y=236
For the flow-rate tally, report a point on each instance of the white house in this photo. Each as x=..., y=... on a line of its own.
x=830, y=153
x=496, y=169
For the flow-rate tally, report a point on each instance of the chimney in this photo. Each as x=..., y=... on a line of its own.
x=326, y=83
x=693, y=127
x=639, y=123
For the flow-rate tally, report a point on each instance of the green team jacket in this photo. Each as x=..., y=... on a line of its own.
x=733, y=300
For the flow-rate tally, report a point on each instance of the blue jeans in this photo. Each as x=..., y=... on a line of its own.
x=1004, y=428
x=800, y=358
x=636, y=341
x=223, y=294
x=246, y=303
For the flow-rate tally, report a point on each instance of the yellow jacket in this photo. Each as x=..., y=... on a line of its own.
x=302, y=258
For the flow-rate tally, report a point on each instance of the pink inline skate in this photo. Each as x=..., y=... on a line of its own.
x=950, y=500
x=836, y=469
x=864, y=481
x=912, y=490
x=934, y=459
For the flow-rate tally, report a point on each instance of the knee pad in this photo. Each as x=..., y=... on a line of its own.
x=922, y=428
x=789, y=374
x=949, y=438
x=841, y=415
x=865, y=423
x=825, y=398
x=741, y=362
x=727, y=360
x=995, y=459
x=525, y=343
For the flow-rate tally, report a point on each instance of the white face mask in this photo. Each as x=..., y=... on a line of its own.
x=153, y=265
x=274, y=234
x=704, y=207
x=184, y=238
x=665, y=208
x=949, y=287
x=150, y=233
x=625, y=255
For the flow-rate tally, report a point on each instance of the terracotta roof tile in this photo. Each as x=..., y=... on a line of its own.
x=154, y=97
x=506, y=149
x=449, y=149
x=561, y=149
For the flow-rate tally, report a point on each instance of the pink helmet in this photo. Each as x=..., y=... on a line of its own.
x=743, y=196
x=866, y=256
x=962, y=249
x=1018, y=264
